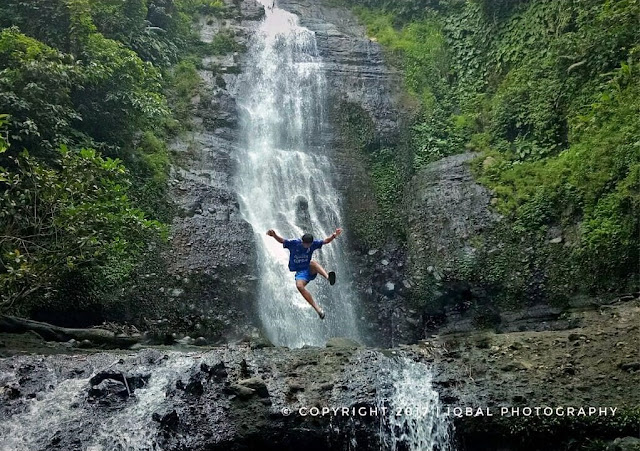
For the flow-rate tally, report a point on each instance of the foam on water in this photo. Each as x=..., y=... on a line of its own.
x=415, y=420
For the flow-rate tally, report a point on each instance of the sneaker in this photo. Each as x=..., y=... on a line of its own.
x=332, y=278
x=321, y=314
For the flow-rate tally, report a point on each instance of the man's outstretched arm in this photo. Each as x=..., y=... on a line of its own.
x=277, y=237
x=333, y=236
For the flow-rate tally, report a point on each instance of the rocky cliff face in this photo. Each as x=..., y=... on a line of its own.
x=355, y=65
x=456, y=271
x=467, y=267
x=212, y=255
x=447, y=214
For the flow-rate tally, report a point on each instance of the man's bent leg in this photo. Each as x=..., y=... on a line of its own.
x=316, y=268
x=301, y=285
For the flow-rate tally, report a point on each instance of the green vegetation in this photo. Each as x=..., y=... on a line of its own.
x=546, y=92
x=185, y=84
x=74, y=220
x=93, y=90
x=372, y=220
x=421, y=49
x=596, y=181
x=223, y=43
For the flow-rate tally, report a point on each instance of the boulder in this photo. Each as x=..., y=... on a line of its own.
x=256, y=384
x=342, y=342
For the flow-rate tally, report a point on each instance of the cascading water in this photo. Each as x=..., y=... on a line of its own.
x=64, y=409
x=414, y=419
x=36, y=427
x=284, y=180
x=130, y=429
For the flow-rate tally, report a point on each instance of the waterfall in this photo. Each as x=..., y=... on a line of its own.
x=415, y=420
x=284, y=180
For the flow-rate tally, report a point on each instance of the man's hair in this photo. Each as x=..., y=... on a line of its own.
x=307, y=238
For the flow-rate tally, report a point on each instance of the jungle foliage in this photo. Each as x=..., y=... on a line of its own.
x=69, y=220
x=547, y=93
x=90, y=92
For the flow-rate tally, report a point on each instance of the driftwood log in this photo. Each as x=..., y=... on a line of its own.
x=12, y=324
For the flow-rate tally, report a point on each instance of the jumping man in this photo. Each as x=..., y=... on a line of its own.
x=300, y=252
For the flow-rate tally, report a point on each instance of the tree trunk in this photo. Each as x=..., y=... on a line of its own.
x=12, y=324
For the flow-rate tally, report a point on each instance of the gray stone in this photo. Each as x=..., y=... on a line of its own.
x=295, y=387
x=210, y=240
x=625, y=444
x=251, y=10
x=256, y=384
x=200, y=341
x=242, y=391
x=260, y=342
x=447, y=212
x=317, y=376
x=85, y=344
x=631, y=366
x=187, y=340
x=176, y=292
x=342, y=342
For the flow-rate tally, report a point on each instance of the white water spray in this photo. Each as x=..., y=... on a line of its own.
x=49, y=412
x=415, y=419
x=285, y=180
x=64, y=409
x=132, y=428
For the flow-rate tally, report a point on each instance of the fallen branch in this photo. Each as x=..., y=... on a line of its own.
x=575, y=66
x=12, y=324
x=126, y=384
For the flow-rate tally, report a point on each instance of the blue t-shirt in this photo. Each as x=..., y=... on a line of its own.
x=300, y=257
